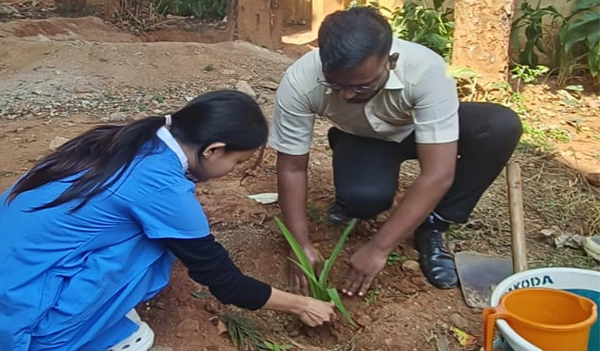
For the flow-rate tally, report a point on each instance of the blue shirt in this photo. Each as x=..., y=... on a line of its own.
x=66, y=274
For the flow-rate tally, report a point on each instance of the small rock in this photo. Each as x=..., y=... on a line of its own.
x=57, y=142
x=117, y=117
x=459, y=321
x=82, y=89
x=188, y=325
x=406, y=287
x=420, y=283
x=211, y=307
x=269, y=84
x=244, y=87
x=160, y=348
x=363, y=319
x=593, y=179
x=411, y=267
x=139, y=116
x=6, y=9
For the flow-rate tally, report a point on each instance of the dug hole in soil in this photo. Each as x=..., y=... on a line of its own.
x=60, y=77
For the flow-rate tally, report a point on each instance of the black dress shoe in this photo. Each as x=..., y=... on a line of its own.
x=336, y=215
x=436, y=262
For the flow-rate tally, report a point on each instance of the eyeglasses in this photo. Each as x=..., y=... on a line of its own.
x=358, y=89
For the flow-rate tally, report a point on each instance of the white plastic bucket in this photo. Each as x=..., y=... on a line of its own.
x=582, y=282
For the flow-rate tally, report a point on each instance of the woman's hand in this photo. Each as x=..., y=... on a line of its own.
x=315, y=312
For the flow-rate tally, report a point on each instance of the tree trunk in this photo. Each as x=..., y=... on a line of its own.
x=482, y=37
x=259, y=22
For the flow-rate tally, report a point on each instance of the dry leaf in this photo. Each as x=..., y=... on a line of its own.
x=264, y=198
x=463, y=338
x=221, y=327
x=573, y=241
x=548, y=232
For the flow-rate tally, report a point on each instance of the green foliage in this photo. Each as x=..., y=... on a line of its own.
x=242, y=334
x=577, y=45
x=319, y=285
x=531, y=21
x=581, y=33
x=205, y=9
x=431, y=27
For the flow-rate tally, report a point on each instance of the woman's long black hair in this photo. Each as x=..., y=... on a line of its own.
x=103, y=154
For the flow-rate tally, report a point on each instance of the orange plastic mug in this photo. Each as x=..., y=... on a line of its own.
x=552, y=320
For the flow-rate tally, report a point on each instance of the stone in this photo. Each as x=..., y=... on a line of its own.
x=6, y=9
x=267, y=84
x=57, y=142
x=188, y=325
x=244, y=87
x=117, y=117
x=363, y=319
x=411, y=267
x=83, y=89
x=459, y=321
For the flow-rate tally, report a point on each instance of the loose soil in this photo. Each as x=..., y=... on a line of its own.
x=62, y=76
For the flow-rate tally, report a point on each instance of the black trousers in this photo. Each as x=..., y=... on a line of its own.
x=366, y=170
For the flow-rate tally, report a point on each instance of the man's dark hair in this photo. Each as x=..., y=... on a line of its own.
x=347, y=38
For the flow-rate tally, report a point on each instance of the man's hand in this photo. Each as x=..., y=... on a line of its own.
x=297, y=279
x=365, y=264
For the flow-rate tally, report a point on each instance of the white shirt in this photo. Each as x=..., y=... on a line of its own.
x=418, y=96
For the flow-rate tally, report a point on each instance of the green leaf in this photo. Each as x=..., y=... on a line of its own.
x=437, y=4
x=462, y=72
x=303, y=261
x=296, y=248
x=200, y=294
x=581, y=30
x=316, y=290
x=581, y=5
x=593, y=39
x=337, y=302
x=336, y=251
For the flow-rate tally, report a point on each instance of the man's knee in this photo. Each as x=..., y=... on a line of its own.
x=504, y=123
x=365, y=201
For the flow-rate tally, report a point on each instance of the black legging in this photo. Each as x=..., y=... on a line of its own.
x=366, y=170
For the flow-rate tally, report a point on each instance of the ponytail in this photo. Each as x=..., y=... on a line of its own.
x=100, y=157
x=100, y=153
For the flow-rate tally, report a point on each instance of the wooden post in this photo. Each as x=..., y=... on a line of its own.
x=517, y=225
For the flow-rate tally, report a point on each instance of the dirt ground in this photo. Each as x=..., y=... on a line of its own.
x=60, y=77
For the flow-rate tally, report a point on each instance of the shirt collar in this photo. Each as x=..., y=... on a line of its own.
x=164, y=135
x=393, y=81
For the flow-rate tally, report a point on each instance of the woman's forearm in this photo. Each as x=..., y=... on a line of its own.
x=209, y=264
x=282, y=301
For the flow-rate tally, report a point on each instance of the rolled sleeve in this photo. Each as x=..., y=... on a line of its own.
x=435, y=110
x=172, y=212
x=293, y=121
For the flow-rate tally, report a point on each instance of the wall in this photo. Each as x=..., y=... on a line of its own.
x=295, y=10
